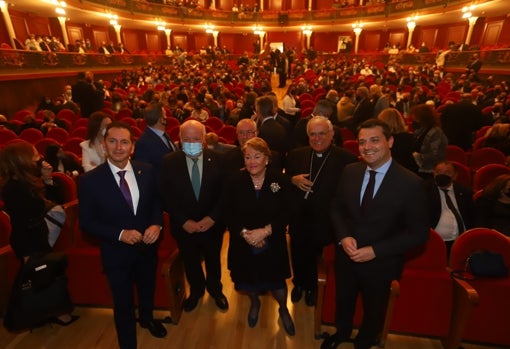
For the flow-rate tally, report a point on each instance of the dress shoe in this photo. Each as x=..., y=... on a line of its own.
x=332, y=342
x=190, y=303
x=221, y=302
x=288, y=325
x=155, y=327
x=64, y=323
x=311, y=297
x=296, y=294
x=253, y=314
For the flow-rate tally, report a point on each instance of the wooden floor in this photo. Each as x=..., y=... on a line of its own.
x=203, y=328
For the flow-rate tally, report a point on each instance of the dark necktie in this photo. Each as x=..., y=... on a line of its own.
x=195, y=178
x=124, y=188
x=451, y=206
x=169, y=142
x=369, y=192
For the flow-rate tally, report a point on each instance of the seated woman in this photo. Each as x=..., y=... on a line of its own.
x=430, y=140
x=93, y=153
x=403, y=141
x=498, y=136
x=27, y=186
x=257, y=213
x=493, y=206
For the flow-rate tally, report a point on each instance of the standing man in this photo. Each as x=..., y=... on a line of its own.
x=314, y=172
x=119, y=204
x=378, y=213
x=154, y=143
x=191, y=183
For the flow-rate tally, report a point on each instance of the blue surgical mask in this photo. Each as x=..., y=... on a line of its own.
x=192, y=149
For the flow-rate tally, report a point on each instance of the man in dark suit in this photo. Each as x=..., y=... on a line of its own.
x=363, y=109
x=154, y=143
x=86, y=95
x=449, y=221
x=119, y=204
x=191, y=184
x=314, y=172
x=271, y=130
x=460, y=120
x=378, y=214
x=234, y=158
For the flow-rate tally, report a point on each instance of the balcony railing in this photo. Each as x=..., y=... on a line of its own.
x=268, y=17
x=16, y=63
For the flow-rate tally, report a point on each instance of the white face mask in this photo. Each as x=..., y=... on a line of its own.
x=103, y=132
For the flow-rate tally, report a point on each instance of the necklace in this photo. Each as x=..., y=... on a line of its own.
x=257, y=183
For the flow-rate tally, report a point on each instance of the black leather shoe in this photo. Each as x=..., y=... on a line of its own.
x=311, y=297
x=221, y=302
x=155, y=327
x=288, y=325
x=332, y=342
x=190, y=303
x=296, y=294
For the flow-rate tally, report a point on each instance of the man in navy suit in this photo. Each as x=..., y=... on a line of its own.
x=191, y=183
x=154, y=143
x=119, y=204
x=379, y=213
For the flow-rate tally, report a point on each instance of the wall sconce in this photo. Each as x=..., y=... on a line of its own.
x=209, y=28
x=60, y=11
x=357, y=27
x=258, y=30
x=467, y=11
x=307, y=30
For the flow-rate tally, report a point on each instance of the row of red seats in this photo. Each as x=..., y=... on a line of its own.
x=428, y=301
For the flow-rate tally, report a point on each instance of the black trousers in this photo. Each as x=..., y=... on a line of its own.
x=304, y=255
x=369, y=281
x=195, y=248
x=139, y=271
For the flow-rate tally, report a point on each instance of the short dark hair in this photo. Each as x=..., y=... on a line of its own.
x=153, y=113
x=120, y=124
x=372, y=123
x=265, y=106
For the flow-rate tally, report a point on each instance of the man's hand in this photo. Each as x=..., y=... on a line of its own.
x=361, y=255
x=205, y=224
x=151, y=234
x=131, y=236
x=302, y=182
x=190, y=226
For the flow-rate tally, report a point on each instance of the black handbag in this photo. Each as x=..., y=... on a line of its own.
x=482, y=264
x=39, y=293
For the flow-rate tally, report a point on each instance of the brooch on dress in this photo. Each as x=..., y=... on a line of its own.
x=275, y=187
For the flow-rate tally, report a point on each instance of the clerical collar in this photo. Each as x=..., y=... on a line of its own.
x=320, y=155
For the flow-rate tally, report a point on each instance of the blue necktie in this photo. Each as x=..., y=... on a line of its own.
x=195, y=178
x=124, y=188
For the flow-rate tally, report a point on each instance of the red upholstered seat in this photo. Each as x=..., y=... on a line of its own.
x=489, y=321
x=229, y=133
x=73, y=145
x=58, y=134
x=80, y=132
x=42, y=144
x=484, y=156
x=464, y=175
x=6, y=136
x=307, y=103
x=352, y=146
x=487, y=174
x=214, y=123
x=456, y=153
x=31, y=135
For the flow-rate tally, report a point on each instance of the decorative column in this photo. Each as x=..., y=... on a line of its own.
x=357, y=28
x=310, y=3
x=410, y=27
x=8, y=23
x=261, y=5
x=261, y=37
x=117, y=32
x=167, y=34
x=307, y=31
x=215, y=36
x=65, y=38
x=472, y=20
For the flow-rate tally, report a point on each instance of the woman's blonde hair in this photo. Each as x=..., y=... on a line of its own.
x=258, y=144
x=394, y=119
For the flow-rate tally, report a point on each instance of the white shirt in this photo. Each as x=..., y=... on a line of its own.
x=447, y=225
x=91, y=157
x=130, y=179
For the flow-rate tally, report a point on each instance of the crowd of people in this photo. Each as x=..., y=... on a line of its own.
x=402, y=117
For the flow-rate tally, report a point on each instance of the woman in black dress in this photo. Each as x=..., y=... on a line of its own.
x=26, y=188
x=256, y=212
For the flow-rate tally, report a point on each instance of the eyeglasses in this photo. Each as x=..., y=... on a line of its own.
x=245, y=133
